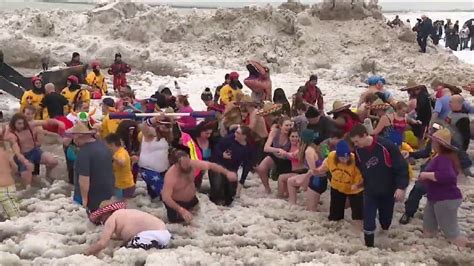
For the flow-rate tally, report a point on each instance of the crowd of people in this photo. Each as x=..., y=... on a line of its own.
x=457, y=38
x=363, y=155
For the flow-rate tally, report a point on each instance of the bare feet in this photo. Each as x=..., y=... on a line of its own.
x=239, y=190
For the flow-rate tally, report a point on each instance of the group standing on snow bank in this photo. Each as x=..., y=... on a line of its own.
x=362, y=156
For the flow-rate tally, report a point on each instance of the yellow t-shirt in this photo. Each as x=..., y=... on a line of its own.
x=343, y=176
x=108, y=126
x=123, y=173
x=97, y=82
x=408, y=148
x=33, y=99
x=84, y=96
x=228, y=94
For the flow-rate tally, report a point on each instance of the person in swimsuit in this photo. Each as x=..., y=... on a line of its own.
x=136, y=228
x=277, y=145
x=308, y=152
x=385, y=123
x=179, y=191
x=24, y=140
x=401, y=120
x=8, y=198
x=297, y=167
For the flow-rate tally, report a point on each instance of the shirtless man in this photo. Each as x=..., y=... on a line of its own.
x=136, y=228
x=8, y=199
x=179, y=191
x=23, y=136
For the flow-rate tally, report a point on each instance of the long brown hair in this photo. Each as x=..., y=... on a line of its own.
x=302, y=150
x=15, y=118
x=452, y=155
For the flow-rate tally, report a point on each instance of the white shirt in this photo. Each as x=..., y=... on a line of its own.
x=154, y=155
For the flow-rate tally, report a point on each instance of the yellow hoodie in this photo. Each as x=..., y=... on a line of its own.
x=97, y=82
x=228, y=94
x=343, y=176
x=33, y=99
x=84, y=96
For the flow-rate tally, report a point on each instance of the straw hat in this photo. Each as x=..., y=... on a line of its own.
x=269, y=108
x=106, y=206
x=411, y=85
x=378, y=105
x=338, y=106
x=247, y=100
x=443, y=137
x=80, y=129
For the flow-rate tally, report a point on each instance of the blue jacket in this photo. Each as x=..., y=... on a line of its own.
x=383, y=168
x=241, y=155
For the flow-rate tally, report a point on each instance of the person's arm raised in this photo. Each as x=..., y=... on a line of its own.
x=107, y=233
x=202, y=165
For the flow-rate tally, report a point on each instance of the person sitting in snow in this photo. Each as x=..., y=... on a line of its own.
x=96, y=80
x=136, y=228
x=119, y=69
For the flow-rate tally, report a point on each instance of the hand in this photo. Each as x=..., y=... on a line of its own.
x=187, y=216
x=227, y=155
x=418, y=122
x=135, y=158
x=399, y=195
x=231, y=176
x=354, y=187
x=405, y=154
x=282, y=153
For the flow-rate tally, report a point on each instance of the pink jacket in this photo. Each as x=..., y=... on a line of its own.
x=187, y=122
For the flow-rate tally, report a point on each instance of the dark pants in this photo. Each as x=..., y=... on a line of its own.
x=422, y=42
x=472, y=42
x=413, y=201
x=174, y=216
x=222, y=190
x=338, y=205
x=384, y=205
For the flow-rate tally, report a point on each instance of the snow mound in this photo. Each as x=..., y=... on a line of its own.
x=330, y=41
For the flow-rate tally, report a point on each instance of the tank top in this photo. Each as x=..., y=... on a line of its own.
x=154, y=155
x=386, y=130
x=400, y=124
x=276, y=142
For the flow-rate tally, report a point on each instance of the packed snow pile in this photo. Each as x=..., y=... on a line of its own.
x=333, y=40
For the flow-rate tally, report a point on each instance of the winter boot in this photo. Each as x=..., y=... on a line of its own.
x=369, y=240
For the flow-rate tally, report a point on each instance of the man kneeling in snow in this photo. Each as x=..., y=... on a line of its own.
x=136, y=228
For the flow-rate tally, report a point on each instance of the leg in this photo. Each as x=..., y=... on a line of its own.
x=25, y=174
x=216, y=194
x=293, y=184
x=49, y=161
x=357, y=209
x=312, y=200
x=230, y=192
x=262, y=170
x=430, y=225
x=446, y=213
x=370, y=213
x=413, y=201
x=385, y=208
x=283, y=185
x=336, y=207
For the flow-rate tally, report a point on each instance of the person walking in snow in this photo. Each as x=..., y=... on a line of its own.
x=119, y=69
x=464, y=36
x=385, y=178
x=425, y=29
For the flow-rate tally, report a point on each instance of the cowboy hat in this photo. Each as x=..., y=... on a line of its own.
x=106, y=206
x=411, y=85
x=443, y=137
x=269, y=108
x=338, y=106
x=80, y=129
x=378, y=105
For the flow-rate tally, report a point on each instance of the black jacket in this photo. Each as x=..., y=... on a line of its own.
x=383, y=168
x=324, y=129
x=426, y=27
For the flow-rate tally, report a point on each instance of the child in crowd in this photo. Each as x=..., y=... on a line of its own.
x=122, y=165
x=346, y=181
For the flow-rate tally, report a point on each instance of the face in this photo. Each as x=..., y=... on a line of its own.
x=209, y=103
x=360, y=142
x=206, y=134
x=402, y=111
x=286, y=126
x=37, y=83
x=20, y=124
x=455, y=103
x=68, y=83
x=314, y=120
x=126, y=99
x=239, y=137
x=294, y=138
x=379, y=85
x=343, y=159
x=85, y=107
x=30, y=115
x=184, y=164
x=313, y=82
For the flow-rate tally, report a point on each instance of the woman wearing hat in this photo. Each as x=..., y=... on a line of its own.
x=346, y=181
x=343, y=116
x=317, y=184
x=420, y=98
x=444, y=196
x=385, y=123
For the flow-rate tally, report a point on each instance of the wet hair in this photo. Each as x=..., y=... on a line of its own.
x=183, y=100
x=113, y=139
x=30, y=108
x=301, y=107
x=400, y=105
x=358, y=131
x=16, y=118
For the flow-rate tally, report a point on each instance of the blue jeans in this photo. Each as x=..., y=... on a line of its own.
x=384, y=205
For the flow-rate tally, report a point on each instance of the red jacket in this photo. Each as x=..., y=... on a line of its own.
x=119, y=68
x=312, y=95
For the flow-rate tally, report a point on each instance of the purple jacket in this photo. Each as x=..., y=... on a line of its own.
x=445, y=188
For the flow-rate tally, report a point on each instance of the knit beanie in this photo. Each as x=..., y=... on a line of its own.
x=343, y=149
x=206, y=95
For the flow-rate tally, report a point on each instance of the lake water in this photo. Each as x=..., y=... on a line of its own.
x=391, y=6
